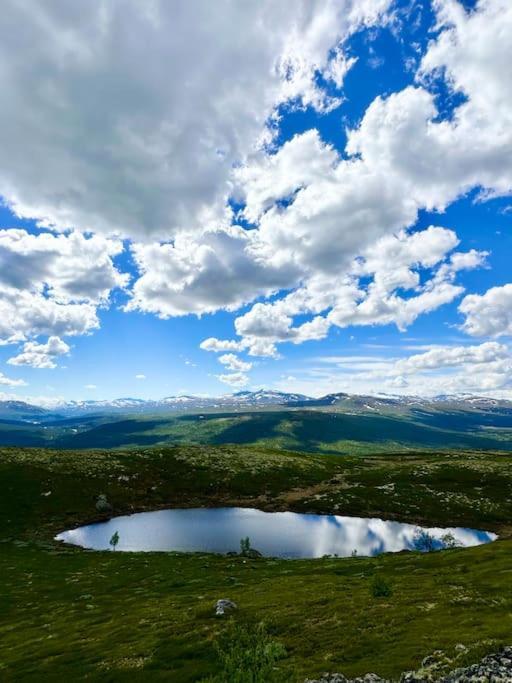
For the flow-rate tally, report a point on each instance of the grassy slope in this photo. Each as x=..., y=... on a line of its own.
x=67, y=613
x=324, y=431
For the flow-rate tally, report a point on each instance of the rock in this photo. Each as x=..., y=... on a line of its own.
x=252, y=553
x=329, y=678
x=495, y=668
x=428, y=661
x=102, y=504
x=340, y=678
x=224, y=605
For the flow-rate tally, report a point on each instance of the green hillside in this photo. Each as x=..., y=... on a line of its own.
x=69, y=614
x=315, y=431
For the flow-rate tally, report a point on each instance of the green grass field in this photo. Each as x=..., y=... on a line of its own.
x=313, y=431
x=69, y=614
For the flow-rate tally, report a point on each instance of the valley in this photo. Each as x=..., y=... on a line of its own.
x=338, y=423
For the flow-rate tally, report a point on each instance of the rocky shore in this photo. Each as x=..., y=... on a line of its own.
x=494, y=668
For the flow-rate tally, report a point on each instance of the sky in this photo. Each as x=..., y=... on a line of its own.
x=305, y=196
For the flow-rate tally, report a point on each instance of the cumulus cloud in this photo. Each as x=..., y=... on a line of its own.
x=270, y=177
x=394, y=264
x=484, y=369
x=234, y=363
x=454, y=356
x=38, y=355
x=218, y=345
x=234, y=379
x=70, y=267
x=52, y=284
x=202, y=274
x=315, y=217
x=137, y=127
x=271, y=322
x=488, y=314
x=9, y=382
x=26, y=314
x=332, y=238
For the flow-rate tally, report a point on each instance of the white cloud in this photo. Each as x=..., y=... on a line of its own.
x=349, y=207
x=140, y=376
x=52, y=285
x=203, y=274
x=474, y=51
x=332, y=230
x=138, y=128
x=392, y=265
x=44, y=401
x=488, y=314
x=338, y=68
x=299, y=162
x=484, y=369
x=234, y=363
x=26, y=314
x=316, y=211
x=234, y=379
x=454, y=356
x=90, y=387
x=341, y=208
x=219, y=345
x=70, y=267
x=9, y=382
x=41, y=355
x=270, y=322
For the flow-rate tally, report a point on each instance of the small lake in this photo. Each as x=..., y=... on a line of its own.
x=275, y=534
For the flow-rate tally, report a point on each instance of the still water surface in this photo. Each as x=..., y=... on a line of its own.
x=276, y=534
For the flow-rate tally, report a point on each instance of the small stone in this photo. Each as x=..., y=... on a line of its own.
x=224, y=605
x=102, y=504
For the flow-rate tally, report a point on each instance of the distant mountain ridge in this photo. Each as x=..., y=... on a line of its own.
x=243, y=400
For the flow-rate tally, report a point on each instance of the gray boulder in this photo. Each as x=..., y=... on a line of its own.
x=224, y=606
x=494, y=668
x=102, y=504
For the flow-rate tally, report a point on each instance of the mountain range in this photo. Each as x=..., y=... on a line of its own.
x=245, y=400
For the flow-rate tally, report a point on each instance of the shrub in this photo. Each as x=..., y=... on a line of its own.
x=248, y=655
x=424, y=541
x=449, y=541
x=245, y=545
x=381, y=588
x=102, y=504
x=114, y=540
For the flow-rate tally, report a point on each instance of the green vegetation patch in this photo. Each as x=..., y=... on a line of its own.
x=71, y=614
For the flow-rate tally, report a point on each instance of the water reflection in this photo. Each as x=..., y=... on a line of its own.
x=278, y=534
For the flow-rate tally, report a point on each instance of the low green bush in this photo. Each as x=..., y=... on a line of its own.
x=380, y=588
x=248, y=655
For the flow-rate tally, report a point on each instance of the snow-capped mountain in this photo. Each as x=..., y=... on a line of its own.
x=248, y=400
x=238, y=400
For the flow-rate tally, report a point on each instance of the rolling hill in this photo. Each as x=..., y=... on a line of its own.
x=337, y=423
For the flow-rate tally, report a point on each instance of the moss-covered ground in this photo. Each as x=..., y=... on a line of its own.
x=70, y=614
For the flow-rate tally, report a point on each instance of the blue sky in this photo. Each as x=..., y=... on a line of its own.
x=315, y=199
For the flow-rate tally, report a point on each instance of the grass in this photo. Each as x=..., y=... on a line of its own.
x=314, y=431
x=104, y=616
